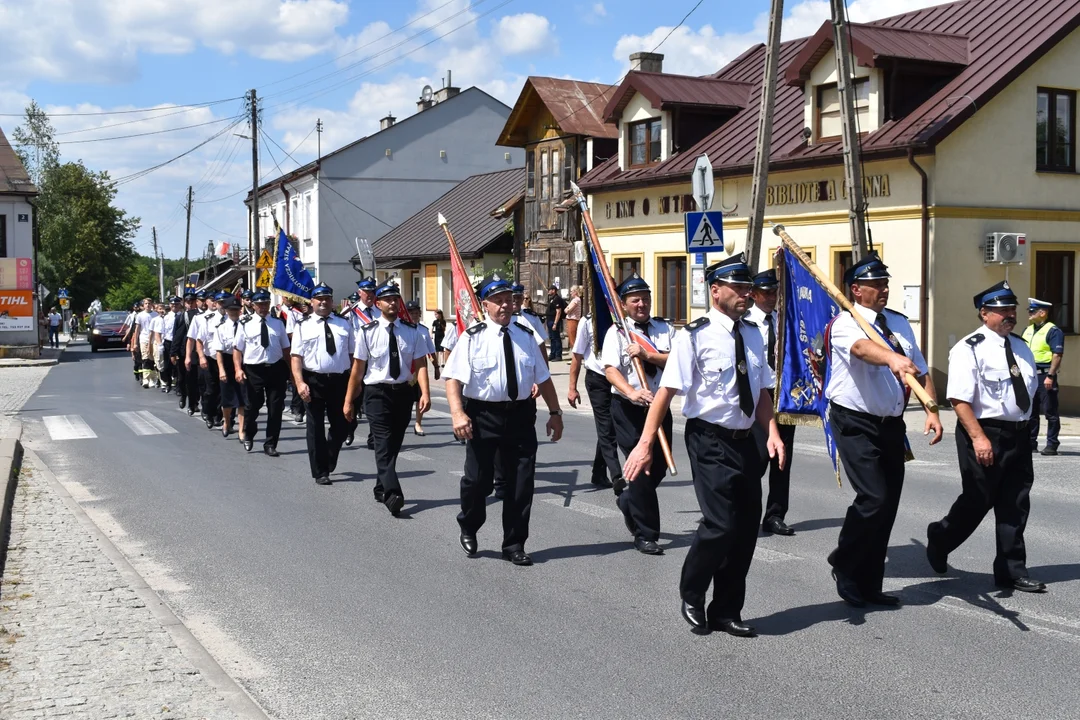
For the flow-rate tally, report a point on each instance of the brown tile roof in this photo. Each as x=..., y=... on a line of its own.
x=664, y=91
x=1005, y=37
x=577, y=107
x=13, y=176
x=467, y=206
x=870, y=44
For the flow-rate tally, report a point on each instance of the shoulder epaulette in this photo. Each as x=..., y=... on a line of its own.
x=1017, y=337
x=588, y=316
x=749, y=322
x=476, y=328
x=370, y=325
x=408, y=324
x=525, y=327
x=890, y=310
x=975, y=339
x=698, y=324
x=529, y=311
x=657, y=318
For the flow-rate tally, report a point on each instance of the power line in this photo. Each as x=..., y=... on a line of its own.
x=129, y=122
x=143, y=173
x=220, y=232
x=152, y=132
x=124, y=112
x=267, y=173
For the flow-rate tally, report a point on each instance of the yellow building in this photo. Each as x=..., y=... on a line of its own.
x=968, y=121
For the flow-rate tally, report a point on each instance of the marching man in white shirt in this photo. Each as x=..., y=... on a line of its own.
x=992, y=380
x=386, y=351
x=718, y=364
x=606, y=458
x=649, y=341
x=260, y=358
x=866, y=408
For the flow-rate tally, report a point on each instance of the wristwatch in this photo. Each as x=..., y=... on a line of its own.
x=555, y=413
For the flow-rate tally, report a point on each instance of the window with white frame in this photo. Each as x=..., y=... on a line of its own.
x=309, y=218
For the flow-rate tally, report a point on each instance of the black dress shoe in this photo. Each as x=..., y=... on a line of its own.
x=394, y=503
x=500, y=493
x=618, y=485
x=518, y=557
x=695, y=616
x=183, y=402
x=1023, y=585
x=209, y=423
x=468, y=543
x=647, y=547
x=602, y=483
x=938, y=560
x=248, y=445
x=776, y=526
x=880, y=598
x=323, y=480
x=1049, y=450
x=848, y=590
x=271, y=450
x=190, y=412
x=733, y=627
x=380, y=497
x=348, y=440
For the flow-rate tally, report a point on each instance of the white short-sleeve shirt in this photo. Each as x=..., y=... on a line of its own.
x=249, y=341
x=373, y=347
x=309, y=343
x=980, y=375
x=703, y=367
x=583, y=346
x=478, y=362
x=757, y=316
x=614, y=354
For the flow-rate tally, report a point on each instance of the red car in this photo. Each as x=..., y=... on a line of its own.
x=107, y=330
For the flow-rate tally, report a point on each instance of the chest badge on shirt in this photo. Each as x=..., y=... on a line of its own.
x=1015, y=371
x=742, y=367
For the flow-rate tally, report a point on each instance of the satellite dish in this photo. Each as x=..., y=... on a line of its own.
x=427, y=93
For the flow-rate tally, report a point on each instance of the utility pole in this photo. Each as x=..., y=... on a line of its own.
x=318, y=130
x=764, y=137
x=256, y=241
x=161, y=268
x=860, y=244
x=187, y=235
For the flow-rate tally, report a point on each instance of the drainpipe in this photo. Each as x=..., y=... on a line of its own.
x=288, y=223
x=924, y=280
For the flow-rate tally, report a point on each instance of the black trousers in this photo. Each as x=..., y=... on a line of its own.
x=639, y=501
x=508, y=429
x=776, y=504
x=265, y=386
x=606, y=460
x=727, y=471
x=168, y=371
x=211, y=389
x=296, y=405
x=389, y=410
x=1045, y=403
x=1004, y=487
x=187, y=383
x=872, y=451
x=327, y=403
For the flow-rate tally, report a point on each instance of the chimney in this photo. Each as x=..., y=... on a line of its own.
x=387, y=121
x=647, y=62
x=448, y=90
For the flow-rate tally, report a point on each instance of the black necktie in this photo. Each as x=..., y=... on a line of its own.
x=742, y=377
x=511, y=365
x=331, y=346
x=264, y=334
x=395, y=358
x=1023, y=400
x=889, y=337
x=772, y=341
x=650, y=369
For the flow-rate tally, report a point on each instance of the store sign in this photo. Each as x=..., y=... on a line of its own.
x=817, y=191
x=660, y=205
x=16, y=274
x=16, y=310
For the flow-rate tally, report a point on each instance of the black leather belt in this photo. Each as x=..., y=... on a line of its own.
x=310, y=373
x=1005, y=424
x=865, y=416
x=721, y=430
x=501, y=404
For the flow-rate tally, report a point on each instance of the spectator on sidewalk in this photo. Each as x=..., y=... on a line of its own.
x=56, y=320
x=1047, y=343
x=556, y=311
x=573, y=314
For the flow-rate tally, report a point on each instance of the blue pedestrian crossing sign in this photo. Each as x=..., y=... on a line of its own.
x=704, y=232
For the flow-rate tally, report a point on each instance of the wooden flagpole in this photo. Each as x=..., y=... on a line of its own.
x=840, y=299
x=620, y=316
x=455, y=257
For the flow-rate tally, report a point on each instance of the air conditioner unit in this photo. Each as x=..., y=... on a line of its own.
x=1005, y=248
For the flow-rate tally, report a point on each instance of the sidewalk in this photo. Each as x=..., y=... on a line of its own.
x=49, y=356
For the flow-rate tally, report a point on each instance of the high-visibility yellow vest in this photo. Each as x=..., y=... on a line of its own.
x=1036, y=340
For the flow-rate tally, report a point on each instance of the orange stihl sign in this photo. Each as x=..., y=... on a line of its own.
x=16, y=310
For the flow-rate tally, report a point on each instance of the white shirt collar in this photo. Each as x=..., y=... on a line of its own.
x=720, y=318
x=989, y=334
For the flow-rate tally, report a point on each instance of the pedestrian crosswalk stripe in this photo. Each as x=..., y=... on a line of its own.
x=67, y=427
x=143, y=422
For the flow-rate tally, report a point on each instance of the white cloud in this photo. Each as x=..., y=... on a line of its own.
x=524, y=33
x=599, y=10
x=704, y=51
x=100, y=40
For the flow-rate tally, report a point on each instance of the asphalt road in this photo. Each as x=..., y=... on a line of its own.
x=323, y=606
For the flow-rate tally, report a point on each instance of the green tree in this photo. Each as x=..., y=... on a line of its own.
x=139, y=282
x=35, y=144
x=85, y=243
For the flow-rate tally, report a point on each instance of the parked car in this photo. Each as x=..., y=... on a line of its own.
x=107, y=330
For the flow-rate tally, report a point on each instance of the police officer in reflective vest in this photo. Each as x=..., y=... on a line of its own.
x=718, y=364
x=488, y=379
x=1047, y=343
x=322, y=349
x=992, y=378
x=866, y=408
x=383, y=364
x=763, y=315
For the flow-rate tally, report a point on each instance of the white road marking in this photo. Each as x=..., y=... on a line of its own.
x=143, y=422
x=414, y=456
x=67, y=427
x=436, y=414
x=584, y=507
x=764, y=554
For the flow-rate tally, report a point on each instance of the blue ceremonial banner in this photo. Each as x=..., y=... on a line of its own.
x=603, y=309
x=290, y=277
x=805, y=313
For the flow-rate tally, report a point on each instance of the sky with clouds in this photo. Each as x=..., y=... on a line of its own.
x=348, y=62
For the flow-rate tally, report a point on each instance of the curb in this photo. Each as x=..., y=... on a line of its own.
x=29, y=362
x=11, y=454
